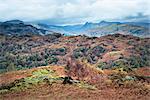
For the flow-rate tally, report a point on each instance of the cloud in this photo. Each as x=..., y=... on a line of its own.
x=71, y=11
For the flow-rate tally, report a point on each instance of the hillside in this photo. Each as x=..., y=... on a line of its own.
x=17, y=27
x=35, y=50
x=50, y=83
x=74, y=67
x=74, y=50
x=128, y=28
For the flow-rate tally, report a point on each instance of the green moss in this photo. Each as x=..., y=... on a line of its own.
x=31, y=80
x=3, y=91
x=114, y=53
x=42, y=76
x=85, y=85
x=41, y=72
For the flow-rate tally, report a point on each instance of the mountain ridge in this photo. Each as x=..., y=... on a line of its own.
x=90, y=29
x=89, y=26
x=18, y=27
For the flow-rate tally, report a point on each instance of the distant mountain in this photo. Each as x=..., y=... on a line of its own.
x=119, y=28
x=90, y=29
x=14, y=22
x=20, y=28
x=101, y=28
x=143, y=24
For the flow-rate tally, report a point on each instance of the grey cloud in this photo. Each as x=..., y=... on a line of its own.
x=71, y=11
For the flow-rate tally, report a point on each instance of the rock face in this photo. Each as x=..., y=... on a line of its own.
x=17, y=27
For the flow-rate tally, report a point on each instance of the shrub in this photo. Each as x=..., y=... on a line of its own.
x=62, y=49
x=121, y=65
x=97, y=50
x=53, y=60
x=80, y=52
x=92, y=58
x=58, y=51
x=11, y=67
x=102, y=65
x=135, y=62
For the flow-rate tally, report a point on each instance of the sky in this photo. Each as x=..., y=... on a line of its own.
x=72, y=11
